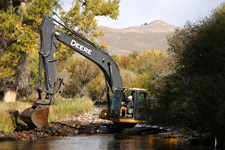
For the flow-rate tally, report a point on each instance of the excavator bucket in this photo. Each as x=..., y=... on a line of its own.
x=35, y=117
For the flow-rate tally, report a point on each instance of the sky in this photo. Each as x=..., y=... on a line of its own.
x=174, y=12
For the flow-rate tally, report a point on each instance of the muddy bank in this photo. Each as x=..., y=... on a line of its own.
x=61, y=127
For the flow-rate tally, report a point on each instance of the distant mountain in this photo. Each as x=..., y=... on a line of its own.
x=124, y=41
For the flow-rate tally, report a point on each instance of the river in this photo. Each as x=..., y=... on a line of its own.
x=102, y=142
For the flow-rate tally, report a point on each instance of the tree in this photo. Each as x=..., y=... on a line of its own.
x=19, y=35
x=150, y=67
x=83, y=71
x=194, y=92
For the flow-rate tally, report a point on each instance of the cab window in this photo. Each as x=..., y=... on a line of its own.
x=142, y=97
x=116, y=100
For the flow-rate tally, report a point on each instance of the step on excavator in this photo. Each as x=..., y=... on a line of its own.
x=37, y=115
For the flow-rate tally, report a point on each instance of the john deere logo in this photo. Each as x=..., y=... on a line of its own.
x=81, y=47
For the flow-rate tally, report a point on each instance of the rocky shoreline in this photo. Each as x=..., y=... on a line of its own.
x=84, y=124
x=61, y=127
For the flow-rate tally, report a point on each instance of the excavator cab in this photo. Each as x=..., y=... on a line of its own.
x=133, y=115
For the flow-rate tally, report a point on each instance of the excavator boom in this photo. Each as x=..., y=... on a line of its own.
x=37, y=115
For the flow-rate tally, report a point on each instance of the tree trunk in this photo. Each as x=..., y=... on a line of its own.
x=10, y=96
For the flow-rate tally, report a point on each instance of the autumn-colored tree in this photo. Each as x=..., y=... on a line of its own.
x=125, y=61
x=19, y=35
x=18, y=44
x=96, y=88
x=83, y=71
x=149, y=67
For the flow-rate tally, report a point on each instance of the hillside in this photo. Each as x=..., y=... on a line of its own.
x=125, y=41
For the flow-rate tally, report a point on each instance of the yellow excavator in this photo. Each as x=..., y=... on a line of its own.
x=37, y=115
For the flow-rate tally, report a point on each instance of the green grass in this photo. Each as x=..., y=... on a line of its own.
x=7, y=121
x=63, y=108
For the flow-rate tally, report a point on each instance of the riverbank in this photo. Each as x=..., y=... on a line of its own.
x=78, y=124
x=60, y=127
x=63, y=108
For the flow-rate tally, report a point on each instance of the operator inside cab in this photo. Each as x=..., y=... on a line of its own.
x=130, y=103
x=126, y=106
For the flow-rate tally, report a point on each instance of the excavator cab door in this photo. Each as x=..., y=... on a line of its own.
x=142, y=102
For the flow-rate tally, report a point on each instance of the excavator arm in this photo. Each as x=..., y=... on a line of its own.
x=37, y=115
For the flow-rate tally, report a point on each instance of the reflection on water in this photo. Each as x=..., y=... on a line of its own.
x=100, y=142
x=147, y=142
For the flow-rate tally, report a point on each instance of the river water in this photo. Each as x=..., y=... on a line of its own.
x=102, y=142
